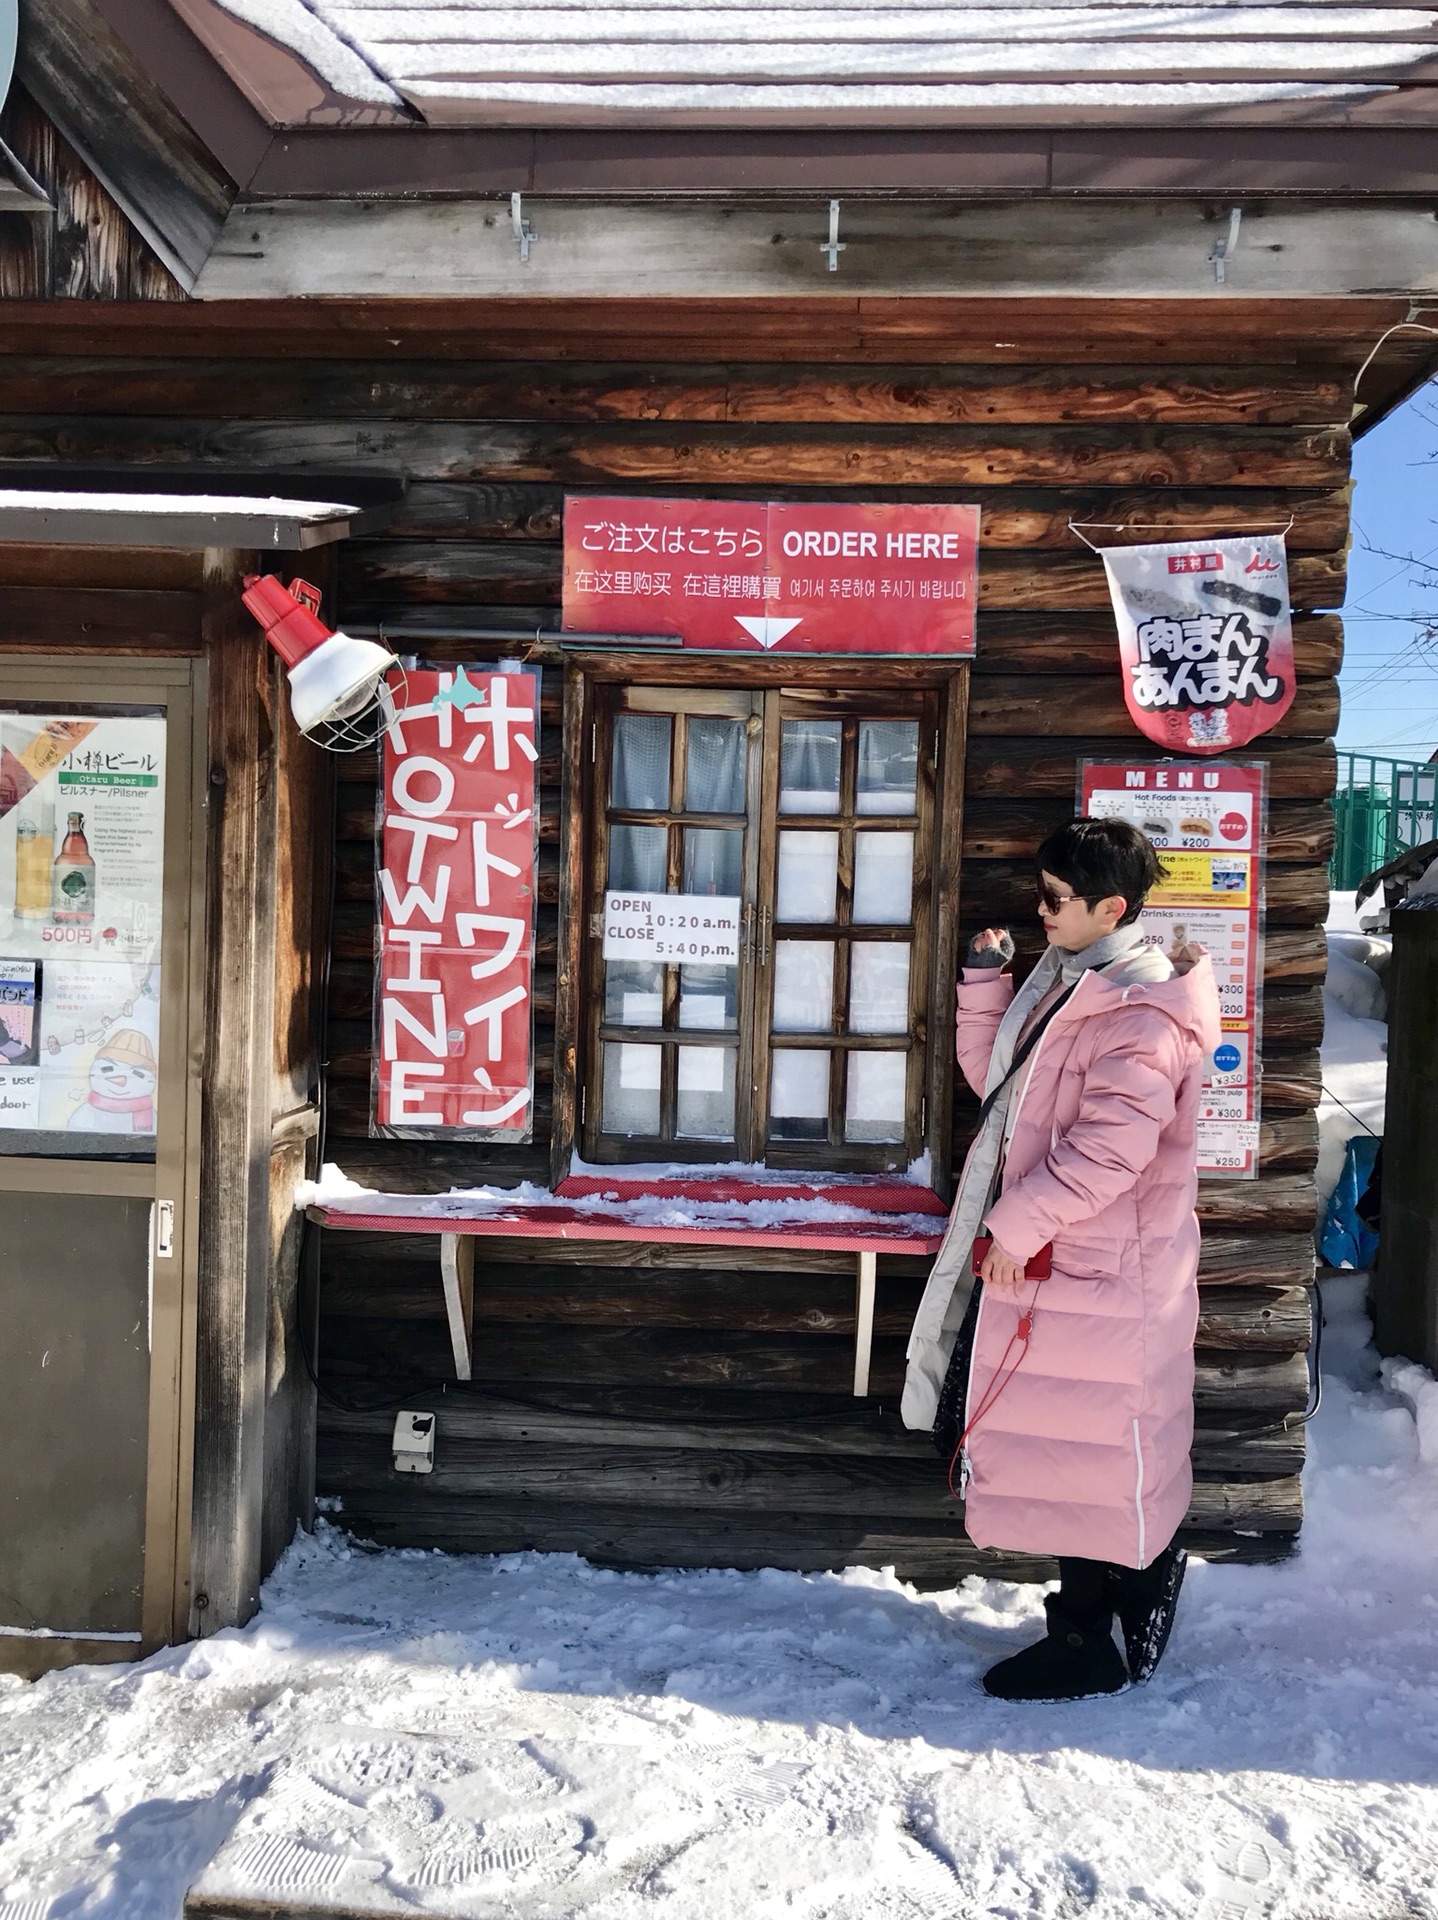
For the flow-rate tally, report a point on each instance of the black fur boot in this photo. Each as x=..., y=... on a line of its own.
x=1146, y=1601
x=1076, y=1660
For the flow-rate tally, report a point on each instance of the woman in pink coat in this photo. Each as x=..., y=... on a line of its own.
x=1066, y=1402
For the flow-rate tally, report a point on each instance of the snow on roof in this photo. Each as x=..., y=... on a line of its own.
x=487, y=61
x=150, y=503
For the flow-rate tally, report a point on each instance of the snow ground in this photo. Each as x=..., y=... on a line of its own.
x=529, y=1736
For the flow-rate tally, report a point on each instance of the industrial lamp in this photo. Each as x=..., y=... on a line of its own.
x=337, y=685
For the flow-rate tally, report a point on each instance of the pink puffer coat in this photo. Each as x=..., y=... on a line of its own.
x=1086, y=1450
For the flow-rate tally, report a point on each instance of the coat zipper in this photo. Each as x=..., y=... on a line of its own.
x=966, y=1469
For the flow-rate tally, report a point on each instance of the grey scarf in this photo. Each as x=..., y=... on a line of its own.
x=951, y=1284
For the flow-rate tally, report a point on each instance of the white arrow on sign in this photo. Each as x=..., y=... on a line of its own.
x=764, y=628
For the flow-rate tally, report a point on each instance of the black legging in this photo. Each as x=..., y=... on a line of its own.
x=1088, y=1589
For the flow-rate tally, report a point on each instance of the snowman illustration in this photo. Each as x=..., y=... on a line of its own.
x=122, y=1086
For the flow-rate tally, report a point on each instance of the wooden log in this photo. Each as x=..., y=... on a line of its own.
x=1274, y=1202
x=1292, y=1083
x=1221, y=1450
x=704, y=454
x=995, y=892
x=927, y=330
x=1298, y=830
x=1043, y=706
x=1012, y=517
x=478, y=390
x=1255, y=1259
x=1000, y=765
x=1255, y=1320
x=101, y=619
x=381, y=577
x=1295, y=955
x=1087, y=643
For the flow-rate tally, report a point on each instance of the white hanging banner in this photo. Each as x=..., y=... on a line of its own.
x=1205, y=638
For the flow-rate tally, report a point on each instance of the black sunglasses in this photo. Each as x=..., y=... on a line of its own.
x=1053, y=901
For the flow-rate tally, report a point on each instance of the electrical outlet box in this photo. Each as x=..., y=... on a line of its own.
x=414, y=1442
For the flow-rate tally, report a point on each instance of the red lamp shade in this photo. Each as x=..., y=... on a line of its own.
x=333, y=679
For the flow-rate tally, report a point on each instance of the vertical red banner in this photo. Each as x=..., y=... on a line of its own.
x=457, y=849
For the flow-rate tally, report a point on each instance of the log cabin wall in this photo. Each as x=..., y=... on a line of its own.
x=656, y=1406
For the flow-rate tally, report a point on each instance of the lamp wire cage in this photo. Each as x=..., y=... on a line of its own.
x=359, y=732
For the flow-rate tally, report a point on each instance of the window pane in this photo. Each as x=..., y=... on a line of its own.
x=803, y=986
x=714, y=769
x=799, y=1094
x=888, y=766
x=883, y=878
x=809, y=756
x=706, y=1093
x=878, y=988
x=874, y=1109
x=709, y=997
x=631, y=1089
x=638, y=859
x=640, y=773
x=633, y=992
x=808, y=876
x=714, y=860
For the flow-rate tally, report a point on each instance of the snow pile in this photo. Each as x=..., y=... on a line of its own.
x=529, y=1736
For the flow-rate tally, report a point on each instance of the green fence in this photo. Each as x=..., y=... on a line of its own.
x=1381, y=808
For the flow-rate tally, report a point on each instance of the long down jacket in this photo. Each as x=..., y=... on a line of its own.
x=1086, y=1450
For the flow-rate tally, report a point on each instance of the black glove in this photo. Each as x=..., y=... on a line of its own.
x=998, y=956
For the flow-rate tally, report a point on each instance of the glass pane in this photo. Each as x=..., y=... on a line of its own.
x=803, y=986
x=714, y=860
x=631, y=1089
x=808, y=876
x=639, y=776
x=634, y=992
x=874, y=1109
x=799, y=1094
x=638, y=859
x=888, y=766
x=809, y=754
x=709, y=997
x=883, y=878
x=714, y=770
x=706, y=1093
x=878, y=988
x=82, y=838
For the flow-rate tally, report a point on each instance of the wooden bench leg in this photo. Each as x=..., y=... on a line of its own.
x=456, y=1264
x=864, y=1322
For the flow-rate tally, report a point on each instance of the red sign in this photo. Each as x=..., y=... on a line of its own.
x=736, y=576
x=457, y=837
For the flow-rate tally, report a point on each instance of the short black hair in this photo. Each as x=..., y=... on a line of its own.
x=1098, y=858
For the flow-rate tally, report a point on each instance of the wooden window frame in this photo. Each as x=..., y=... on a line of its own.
x=774, y=689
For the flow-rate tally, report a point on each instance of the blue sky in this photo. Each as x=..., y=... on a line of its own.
x=1390, y=670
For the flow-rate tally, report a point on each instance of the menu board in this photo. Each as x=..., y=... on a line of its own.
x=1207, y=824
x=82, y=818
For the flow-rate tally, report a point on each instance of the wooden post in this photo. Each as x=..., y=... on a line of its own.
x=868, y=1264
x=456, y=1263
x=1405, y=1286
x=235, y=1229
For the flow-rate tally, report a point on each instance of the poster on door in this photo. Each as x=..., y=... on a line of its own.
x=1207, y=822
x=82, y=827
x=457, y=865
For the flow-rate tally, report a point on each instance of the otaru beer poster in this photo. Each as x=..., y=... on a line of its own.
x=458, y=833
x=1205, y=638
x=1206, y=822
x=82, y=827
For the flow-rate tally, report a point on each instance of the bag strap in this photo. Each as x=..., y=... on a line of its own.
x=1025, y=1048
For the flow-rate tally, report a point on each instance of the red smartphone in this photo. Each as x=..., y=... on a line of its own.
x=1039, y=1268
